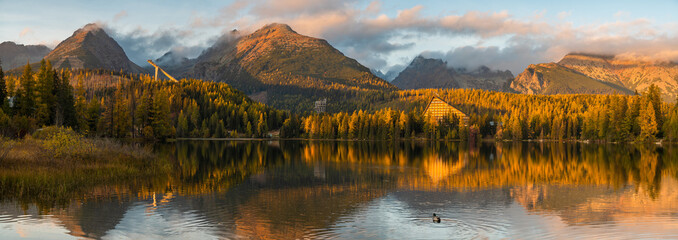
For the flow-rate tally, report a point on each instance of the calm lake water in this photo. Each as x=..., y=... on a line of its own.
x=371, y=190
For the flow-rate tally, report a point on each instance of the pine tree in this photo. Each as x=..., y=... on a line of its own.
x=671, y=124
x=4, y=106
x=654, y=94
x=92, y=116
x=160, y=111
x=261, y=126
x=81, y=107
x=182, y=125
x=122, y=122
x=25, y=102
x=647, y=121
x=46, y=88
x=65, y=105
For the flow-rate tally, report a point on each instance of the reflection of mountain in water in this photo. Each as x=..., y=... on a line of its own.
x=295, y=189
x=599, y=204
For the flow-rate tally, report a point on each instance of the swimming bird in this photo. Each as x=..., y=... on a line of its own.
x=436, y=219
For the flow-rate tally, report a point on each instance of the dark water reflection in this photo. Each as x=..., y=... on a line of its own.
x=348, y=190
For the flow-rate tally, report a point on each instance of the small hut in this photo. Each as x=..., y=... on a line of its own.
x=437, y=108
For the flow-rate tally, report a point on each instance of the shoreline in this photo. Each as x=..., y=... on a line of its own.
x=658, y=142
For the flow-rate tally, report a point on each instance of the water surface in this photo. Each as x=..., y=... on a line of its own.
x=373, y=190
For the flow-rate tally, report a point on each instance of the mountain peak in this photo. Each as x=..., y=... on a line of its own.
x=426, y=72
x=277, y=27
x=588, y=55
x=89, y=28
x=90, y=47
x=278, y=30
x=421, y=60
x=280, y=63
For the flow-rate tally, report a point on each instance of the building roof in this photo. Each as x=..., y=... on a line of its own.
x=434, y=97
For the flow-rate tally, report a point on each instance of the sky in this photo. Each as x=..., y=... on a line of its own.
x=382, y=35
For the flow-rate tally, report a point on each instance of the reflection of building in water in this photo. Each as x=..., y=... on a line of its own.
x=320, y=105
x=437, y=169
x=438, y=109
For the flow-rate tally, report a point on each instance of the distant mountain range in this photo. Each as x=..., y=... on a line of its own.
x=435, y=73
x=278, y=66
x=388, y=76
x=598, y=74
x=15, y=55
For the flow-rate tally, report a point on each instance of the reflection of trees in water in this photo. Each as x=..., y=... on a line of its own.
x=209, y=165
x=267, y=184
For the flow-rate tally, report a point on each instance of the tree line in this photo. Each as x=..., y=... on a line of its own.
x=504, y=116
x=129, y=106
x=108, y=104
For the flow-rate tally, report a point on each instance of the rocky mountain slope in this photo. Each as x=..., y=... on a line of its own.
x=434, y=73
x=590, y=73
x=635, y=75
x=552, y=78
x=15, y=55
x=286, y=69
x=91, y=48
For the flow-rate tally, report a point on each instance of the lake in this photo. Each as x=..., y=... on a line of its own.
x=369, y=190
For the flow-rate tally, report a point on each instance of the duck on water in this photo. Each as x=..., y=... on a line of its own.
x=436, y=219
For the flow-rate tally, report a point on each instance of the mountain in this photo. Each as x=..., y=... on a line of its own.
x=287, y=70
x=598, y=74
x=91, y=48
x=15, y=55
x=633, y=74
x=388, y=76
x=434, y=73
x=552, y=78
x=173, y=64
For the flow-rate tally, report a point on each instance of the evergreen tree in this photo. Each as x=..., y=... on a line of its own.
x=122, y=121
x=647, y=121
x=92, y=116
x=4, y=106
x=81, y=107
x=65, y=104
x=262, y=128
x=654, y=94
x=182, y=125
x=46, y=89
x=25, y=101
x=160, y=113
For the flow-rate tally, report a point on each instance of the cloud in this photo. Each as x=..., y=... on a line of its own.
x=26, y=31
x=379, y=38
x=563, y=15
x=361, y=32
x=141, y=44
x=511, y=58
x=120, y=15
x=621, y=14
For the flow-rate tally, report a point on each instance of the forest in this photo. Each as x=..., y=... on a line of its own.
x=98, y=103
x=506, y=116
x=106, y=104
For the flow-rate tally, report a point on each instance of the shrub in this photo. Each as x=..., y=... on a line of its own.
x=63, y=142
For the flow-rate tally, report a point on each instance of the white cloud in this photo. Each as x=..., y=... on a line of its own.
x=362, y=30
x=563, y=15
x=120, y=15
x=26, y=31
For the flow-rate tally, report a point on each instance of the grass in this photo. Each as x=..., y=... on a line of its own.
x=56, y=165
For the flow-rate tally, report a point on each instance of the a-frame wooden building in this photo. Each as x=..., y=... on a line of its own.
x=437, y=108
